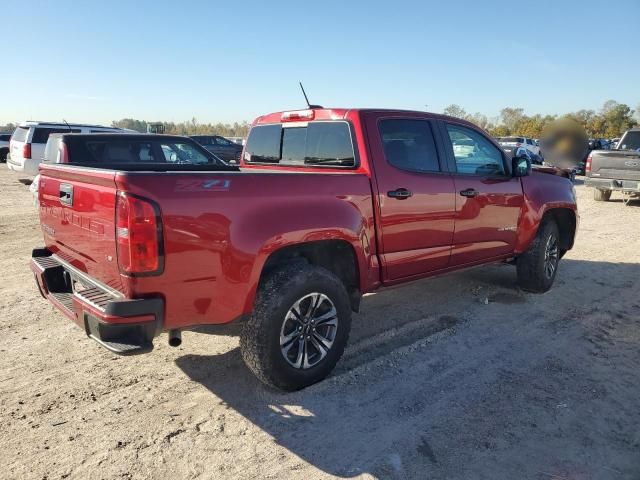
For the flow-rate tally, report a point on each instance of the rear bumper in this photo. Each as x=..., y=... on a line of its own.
x=612, y=184
x=28, y=166
x=124, y=326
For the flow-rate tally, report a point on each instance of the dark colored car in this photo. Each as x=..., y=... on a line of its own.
x=220, y=146
x=331, y=204
x=594, y=144
x=4, y=146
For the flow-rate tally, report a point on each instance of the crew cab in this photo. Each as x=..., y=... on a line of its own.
x=616, y=169
x=328, y=204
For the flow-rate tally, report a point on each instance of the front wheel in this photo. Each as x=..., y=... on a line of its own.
x=299, y=327
x=537, y=267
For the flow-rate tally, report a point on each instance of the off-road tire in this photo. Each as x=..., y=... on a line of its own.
x=531, y=265
x=600, y=195
x=260, y=336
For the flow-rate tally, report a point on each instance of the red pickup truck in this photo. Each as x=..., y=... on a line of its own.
x=143, y=234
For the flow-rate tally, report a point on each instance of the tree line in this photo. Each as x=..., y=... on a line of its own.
x=611, y=121
x=192, y=127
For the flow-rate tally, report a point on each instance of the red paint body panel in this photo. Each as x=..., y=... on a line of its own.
x=219, y=228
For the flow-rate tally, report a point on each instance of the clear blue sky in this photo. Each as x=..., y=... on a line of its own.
x=98, y=61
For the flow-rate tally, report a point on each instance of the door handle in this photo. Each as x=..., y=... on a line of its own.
x=469, y=192
x=66, y=193
x=399, y=194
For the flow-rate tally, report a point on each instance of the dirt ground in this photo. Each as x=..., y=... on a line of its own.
x=459, y=377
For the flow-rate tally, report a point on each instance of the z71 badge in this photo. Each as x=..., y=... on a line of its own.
x=208, y=185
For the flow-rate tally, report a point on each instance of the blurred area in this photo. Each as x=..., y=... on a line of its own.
x=565, y=143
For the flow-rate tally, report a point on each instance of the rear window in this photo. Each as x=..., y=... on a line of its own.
x=41, y=134
x=631, y=141
x=121, y=151
x=20, y=135
x=315, y=143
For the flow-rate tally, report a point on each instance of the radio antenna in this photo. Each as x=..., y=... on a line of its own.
x=306, y=99
x=65, y=122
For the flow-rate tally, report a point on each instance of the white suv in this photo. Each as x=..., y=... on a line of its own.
x=515, y=142
x=29, y=140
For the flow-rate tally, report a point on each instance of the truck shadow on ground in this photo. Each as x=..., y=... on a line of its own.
x=367, y=431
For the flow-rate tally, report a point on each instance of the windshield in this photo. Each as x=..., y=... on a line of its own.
x=631, y=141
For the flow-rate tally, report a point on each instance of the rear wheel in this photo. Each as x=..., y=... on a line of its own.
x=601, y=195
x=3, y=154
x=537, y=267
x=299, y=327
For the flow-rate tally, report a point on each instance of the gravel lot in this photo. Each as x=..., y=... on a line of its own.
x=436, y=383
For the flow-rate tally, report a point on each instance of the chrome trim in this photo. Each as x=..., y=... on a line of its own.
x=86, y=278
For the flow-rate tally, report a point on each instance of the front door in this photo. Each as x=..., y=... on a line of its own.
x=488, y=199
x=415, y=195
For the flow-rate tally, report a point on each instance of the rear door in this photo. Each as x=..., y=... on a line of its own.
x=415, y=195
x=488, y=199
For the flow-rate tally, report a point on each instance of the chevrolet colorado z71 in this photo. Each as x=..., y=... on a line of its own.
x=141, y=237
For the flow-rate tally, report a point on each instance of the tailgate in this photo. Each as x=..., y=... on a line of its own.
x=77, y=215
x=616, y=164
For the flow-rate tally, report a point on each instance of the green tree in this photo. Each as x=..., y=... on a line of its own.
x=618, y=118
x=454, y=110
x=511, y=117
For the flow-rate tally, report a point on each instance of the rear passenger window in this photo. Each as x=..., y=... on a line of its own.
x=409, y=145
x=474, y=154
x=317, y=143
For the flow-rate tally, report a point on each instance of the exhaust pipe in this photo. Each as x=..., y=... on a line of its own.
x=175, y=338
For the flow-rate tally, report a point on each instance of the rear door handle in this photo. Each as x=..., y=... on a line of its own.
x=469, y=192
x=399, y=194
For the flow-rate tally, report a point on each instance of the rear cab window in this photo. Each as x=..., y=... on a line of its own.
x=310, y=144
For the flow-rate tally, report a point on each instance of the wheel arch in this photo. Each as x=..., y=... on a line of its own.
x=336, y=255
x=566, y=220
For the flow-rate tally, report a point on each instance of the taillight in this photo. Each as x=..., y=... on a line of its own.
x=297, y=115
x=518, y=144
x=63, y=153
x=138, y=236
x=587, y=167
x=26, y=150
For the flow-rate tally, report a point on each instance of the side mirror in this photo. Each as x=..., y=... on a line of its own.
x=520, y=166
